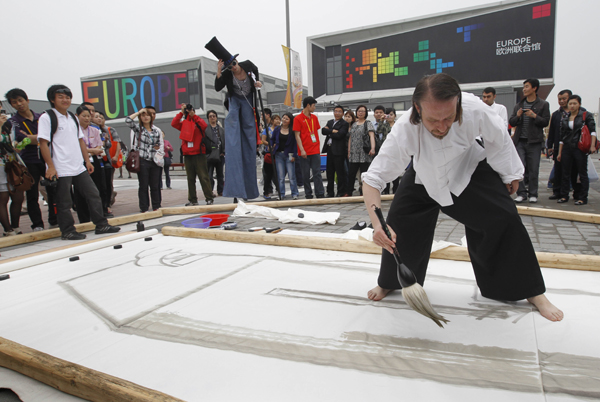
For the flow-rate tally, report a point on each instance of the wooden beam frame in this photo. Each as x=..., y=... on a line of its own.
x=73, y=378
x=81, y=227
x=549, y=260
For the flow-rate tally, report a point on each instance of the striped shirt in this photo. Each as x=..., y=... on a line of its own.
x=147, y=140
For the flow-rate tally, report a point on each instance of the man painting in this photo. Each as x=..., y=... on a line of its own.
x=451, y=172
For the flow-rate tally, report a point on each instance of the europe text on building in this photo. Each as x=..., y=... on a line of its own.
x=122, y=96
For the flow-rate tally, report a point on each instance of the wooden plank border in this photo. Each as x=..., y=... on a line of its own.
x=81, y=227
x=548, y=260
x=73, y=378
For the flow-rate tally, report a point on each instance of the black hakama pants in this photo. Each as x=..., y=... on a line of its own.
x=503, y=258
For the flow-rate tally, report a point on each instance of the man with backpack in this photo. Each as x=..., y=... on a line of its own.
x=66, y=157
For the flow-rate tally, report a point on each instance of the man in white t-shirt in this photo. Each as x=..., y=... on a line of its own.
x=66, y=159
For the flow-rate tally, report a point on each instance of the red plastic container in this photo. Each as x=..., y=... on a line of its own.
x=217, y=219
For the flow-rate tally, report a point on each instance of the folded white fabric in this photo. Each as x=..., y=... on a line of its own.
x=289, y=216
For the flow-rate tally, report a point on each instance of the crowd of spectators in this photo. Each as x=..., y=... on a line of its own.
x=80, y=170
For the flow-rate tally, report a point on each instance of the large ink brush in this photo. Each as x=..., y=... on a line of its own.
x=413, y=293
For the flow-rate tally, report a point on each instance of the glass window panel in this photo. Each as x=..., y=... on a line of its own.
x=330, y=70
x=338, y=85
x=337, y=70
x=330, y=85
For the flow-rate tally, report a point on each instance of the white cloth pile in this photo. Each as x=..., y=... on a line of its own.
x=290, y=216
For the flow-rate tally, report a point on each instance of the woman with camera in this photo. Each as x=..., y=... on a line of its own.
x=147, y=140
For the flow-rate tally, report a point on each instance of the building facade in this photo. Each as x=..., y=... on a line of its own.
x=497, y=45
x=164, y=86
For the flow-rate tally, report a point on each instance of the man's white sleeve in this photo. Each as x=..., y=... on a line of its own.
x=44, y=127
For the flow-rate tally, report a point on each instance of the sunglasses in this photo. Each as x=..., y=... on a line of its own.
x=65, y=91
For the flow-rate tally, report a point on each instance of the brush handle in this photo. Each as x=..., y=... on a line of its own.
x=406, y=277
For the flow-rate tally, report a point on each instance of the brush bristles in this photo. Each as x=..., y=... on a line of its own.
x=417, y=299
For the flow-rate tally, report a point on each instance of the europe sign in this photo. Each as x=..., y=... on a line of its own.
x=123, y=96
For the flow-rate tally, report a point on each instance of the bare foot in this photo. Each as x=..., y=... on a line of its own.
x=547, y=309
x=378, y=293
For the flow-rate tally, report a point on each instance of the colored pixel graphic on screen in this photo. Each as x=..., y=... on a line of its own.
x=379, y=64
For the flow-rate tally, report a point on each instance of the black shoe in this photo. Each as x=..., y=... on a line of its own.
x=191, y=204
x=554, y=197
x=359, y=225
x=107, y=229
x=108, y=215
x=73, y=236
x=209, y=202
x=235, y=200
x=562, y=200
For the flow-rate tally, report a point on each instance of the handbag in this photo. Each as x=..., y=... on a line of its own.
x=366, y=139
x=585, y=139
x=133, y=159
x=18, y=176
x=159, y=155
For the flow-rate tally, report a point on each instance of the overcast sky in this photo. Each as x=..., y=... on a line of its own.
x=59, y=41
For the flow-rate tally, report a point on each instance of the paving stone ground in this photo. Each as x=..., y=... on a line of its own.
x=548, y=235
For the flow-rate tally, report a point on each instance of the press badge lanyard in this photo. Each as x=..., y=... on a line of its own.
x=311, y=128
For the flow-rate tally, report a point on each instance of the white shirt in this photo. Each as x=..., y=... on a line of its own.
x=445, y=166
x=66, y=151
x=501, y=111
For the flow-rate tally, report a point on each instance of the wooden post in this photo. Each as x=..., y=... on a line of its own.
x=204, y=209
x=73, y=378
x=557, y=214
x=548, y=260
x=81, y=227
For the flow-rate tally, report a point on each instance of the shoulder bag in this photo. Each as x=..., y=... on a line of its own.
x=366, y=139
x=133, y=157
x=17, y=175
x=585, y=139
